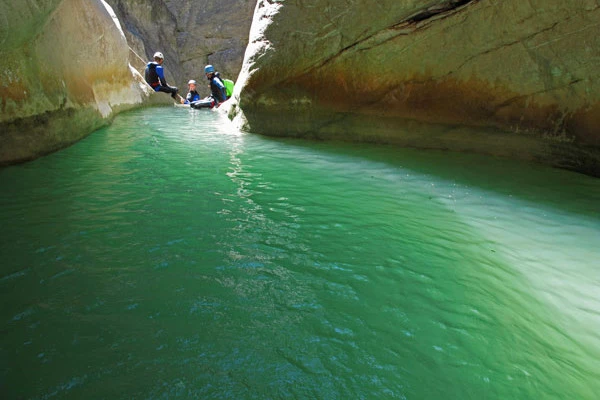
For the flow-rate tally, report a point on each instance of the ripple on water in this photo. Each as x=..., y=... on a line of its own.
x=170, y=255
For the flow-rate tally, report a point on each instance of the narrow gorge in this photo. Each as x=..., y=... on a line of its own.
x=397, y=200
x=509, y=78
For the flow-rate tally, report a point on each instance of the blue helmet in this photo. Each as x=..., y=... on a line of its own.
x=208, y=69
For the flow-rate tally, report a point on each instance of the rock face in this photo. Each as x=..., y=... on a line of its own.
x=189, y=33
x=520, y=78
x=64, y=72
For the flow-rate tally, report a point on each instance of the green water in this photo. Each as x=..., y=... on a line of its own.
x=170, y=256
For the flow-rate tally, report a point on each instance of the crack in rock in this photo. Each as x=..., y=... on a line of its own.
x=436, y=10
x=409, y=25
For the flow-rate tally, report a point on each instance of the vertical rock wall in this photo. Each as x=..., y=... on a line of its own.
x=189, y=33
x=64, y=72
x=511, y=77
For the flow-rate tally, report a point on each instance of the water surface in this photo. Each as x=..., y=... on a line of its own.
x=171, y=256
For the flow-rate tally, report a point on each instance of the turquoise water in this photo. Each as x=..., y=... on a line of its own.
x=171, y=256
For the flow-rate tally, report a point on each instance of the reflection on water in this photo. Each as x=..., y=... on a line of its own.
x=171, y=256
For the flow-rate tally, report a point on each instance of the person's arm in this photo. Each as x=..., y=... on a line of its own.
x=161, y=75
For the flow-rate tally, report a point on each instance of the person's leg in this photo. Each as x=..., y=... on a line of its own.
x=169, y=89
x=207, y=102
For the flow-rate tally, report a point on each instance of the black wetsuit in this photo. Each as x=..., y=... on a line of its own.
x=155, y=77
x=217, y=88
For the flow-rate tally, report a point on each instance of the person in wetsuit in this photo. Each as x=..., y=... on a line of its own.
x=192, y=95
x=155, y=77
x=218, y=93
x=217, y=88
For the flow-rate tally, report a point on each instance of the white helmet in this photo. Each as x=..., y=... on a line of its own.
x=158, y=54
x=191, y=82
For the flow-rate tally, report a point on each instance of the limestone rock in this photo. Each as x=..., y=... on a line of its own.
x=64, y=72
x=519, y=77
x=189, y=33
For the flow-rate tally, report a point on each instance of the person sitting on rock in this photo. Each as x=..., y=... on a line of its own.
x=192, y=95
x=155, y=77
x=217, y=88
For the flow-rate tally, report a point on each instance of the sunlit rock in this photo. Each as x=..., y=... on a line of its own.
x=64, y=71
x=510, y=77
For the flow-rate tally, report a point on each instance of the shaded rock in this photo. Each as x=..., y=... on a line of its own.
x=189, y=33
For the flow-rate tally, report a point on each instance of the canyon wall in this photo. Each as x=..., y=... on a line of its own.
x=64, y=72
x=511, y=78
x=507, y=77
x=191, y=34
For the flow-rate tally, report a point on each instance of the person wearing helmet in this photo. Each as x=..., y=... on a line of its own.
x=155, y=77
x=217, y=88
x=192, y=95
